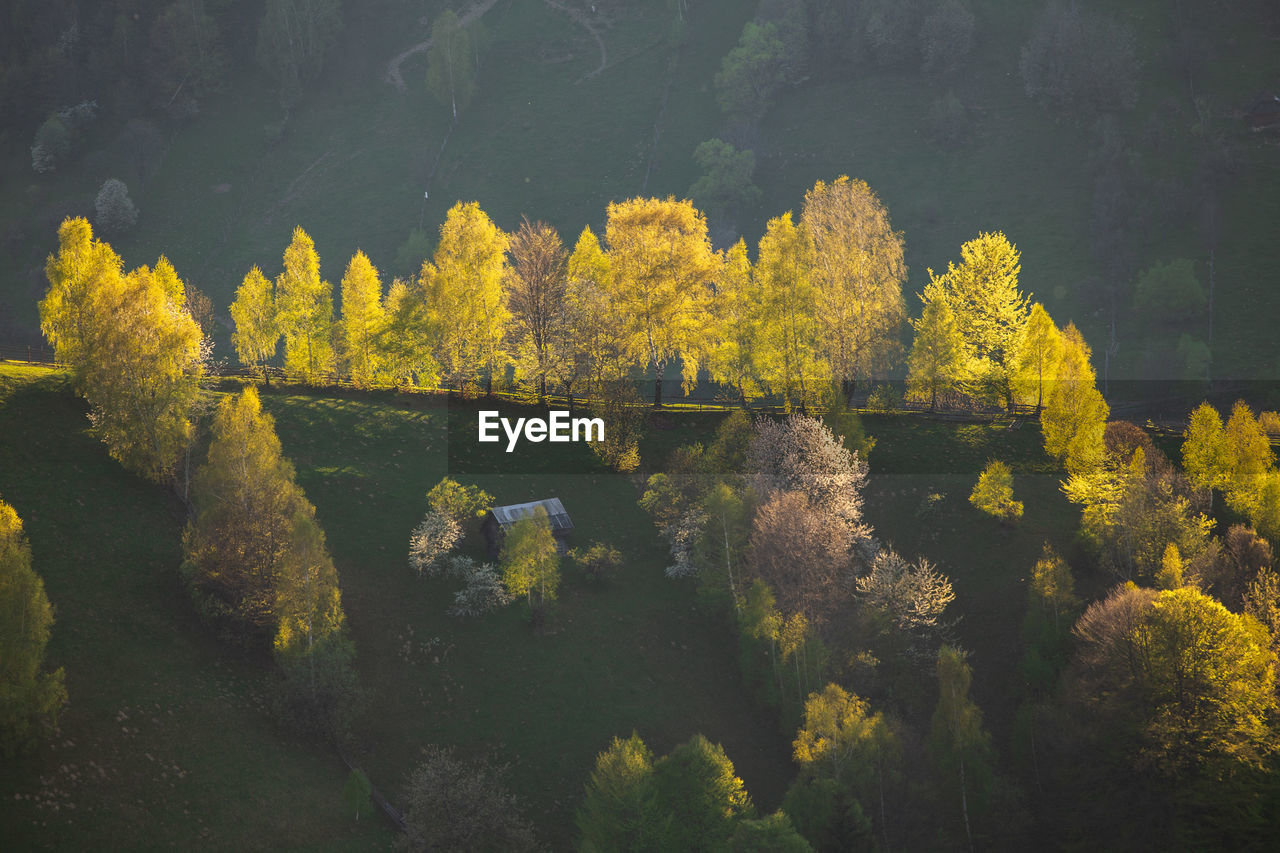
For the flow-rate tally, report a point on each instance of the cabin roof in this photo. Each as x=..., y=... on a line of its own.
x=509, y=515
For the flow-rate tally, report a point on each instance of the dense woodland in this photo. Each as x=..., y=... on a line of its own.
x=1144, y=706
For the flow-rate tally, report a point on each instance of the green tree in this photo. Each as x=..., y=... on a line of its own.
x=1169, y=291
x=30, y=700
x=959, y=745
x=724, y=539
x=859, y=270
x=464, y=504
x=1052, y=583
x=256, y=336
x=362, y=319
x=726, y=181
x=293, y=38
x=1075, y=414
x=772, y=834
x=452, y=61
x=610, y=816
x=304, y=310
x=937, y=361
x=530, y=561
x=752, y=72
x=694, y=800
x=357, y=793
x=993, y=493
x=69, y=316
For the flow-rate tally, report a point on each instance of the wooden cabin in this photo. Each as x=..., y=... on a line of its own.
x=499, y=520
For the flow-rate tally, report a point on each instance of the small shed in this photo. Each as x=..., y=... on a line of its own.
x=499, y=520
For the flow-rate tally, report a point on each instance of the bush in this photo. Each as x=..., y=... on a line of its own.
x=483, y=592
x=994, y=493
x=431, y=542
x=599, y=562
x=116, y=213
x=884, y=399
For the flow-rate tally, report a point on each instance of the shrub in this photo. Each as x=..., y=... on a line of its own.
x=598, y=562
x=431, y=542
x=994, y=493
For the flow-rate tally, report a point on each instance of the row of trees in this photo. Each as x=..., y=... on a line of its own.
x=257, y=566
x=823, y=302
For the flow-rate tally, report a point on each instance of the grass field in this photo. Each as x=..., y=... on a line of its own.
x=541, y=138
x=166, y=736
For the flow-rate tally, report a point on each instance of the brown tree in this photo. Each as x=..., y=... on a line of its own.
x=536, y=299
x=801, y=553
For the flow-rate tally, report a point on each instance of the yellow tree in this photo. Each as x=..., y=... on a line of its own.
x=661, y=269
x=256, y=336
x=304, y=309
x=937, y=362
x=362, y=319
x=29, y=698
x=406, y=342
x=858, y=269
x=982, y=291
x=789, y=347
x=736, y=319
x=1038, y=351
x=1075, y=414
x=466, y=295
x=143, y=379
x=530, y=561
x=81, y=268
x=591, y=349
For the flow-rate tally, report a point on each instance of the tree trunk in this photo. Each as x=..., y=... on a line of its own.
x=964, y=802
x=657, y=390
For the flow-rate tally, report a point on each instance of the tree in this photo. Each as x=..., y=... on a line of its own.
x=993, y=493
x=452, y=804
x=959, y=744
x=1052, y=583
x=800, y=454
x=1169, y=291
x=357, y=791
x=598, y=562
x=116, y=212
x=660, y=271
x=937, y=361
x=1039, y=352
x=736, y=309
x=788, y=351
x=187, y=49
x=138, y=358
x=842, y=740
x=1196, y=681
x=751, y=73
x=946, y=37
x=238, y=544
x=536, y=296
x=620, y=407
x=610, y=816
x=304, y=310
x=724, y=539
x=859, y=271
x=30, y=699
x=695, y=799
x=990, y=311
x=530, y=561
x=1080, y=60
x=772, y=834
x=293, y=37
x=257, y=335
x=465, y=505
x=466, y=297
x=362, y=319
x=452, y=61
x=726, y=183
x=69, y=317
x=432, y=540
x=1075, y=413
x=913, y=596
x=801, y=553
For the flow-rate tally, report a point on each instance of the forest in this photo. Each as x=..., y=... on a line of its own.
x=880, y=549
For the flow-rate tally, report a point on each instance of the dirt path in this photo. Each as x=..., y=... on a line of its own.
x=475, y=10
x=584, y=21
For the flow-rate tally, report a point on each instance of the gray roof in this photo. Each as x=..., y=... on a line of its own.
x=509, y=515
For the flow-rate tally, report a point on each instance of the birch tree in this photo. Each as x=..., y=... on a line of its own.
x=789, y=349
x=536, y=286
x=362, y=318
x=257, y=335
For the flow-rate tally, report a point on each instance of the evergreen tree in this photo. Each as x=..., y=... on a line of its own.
x=304, y=310
x=1039, y=352
x=937, y=361
x=610, y=816
x=362, y=319
x=1075, y=414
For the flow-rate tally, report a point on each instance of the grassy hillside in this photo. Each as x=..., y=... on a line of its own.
x=167, y=737
x=545, y=139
